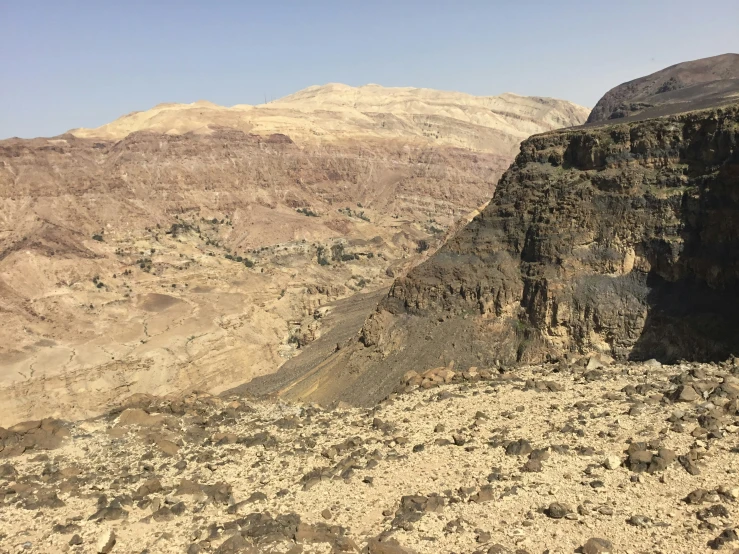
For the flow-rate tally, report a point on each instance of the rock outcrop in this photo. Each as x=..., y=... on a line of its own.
x=621, y=239
x=682, y=87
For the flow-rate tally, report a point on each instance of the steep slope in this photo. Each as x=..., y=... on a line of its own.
x=335, y=112
x=166, y=262
x=679, y=88
x=622, y=239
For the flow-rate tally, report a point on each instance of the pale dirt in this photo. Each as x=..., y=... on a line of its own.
x=513, y=518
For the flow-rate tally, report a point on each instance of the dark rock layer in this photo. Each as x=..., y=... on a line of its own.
x=622, y=239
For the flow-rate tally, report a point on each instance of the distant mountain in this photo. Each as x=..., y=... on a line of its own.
x=679, y=88
x=336, y=112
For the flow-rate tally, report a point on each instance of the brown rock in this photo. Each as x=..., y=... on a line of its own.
x=486, y=494
x=235, y=544
x=137, y=416
x=597, y=546
x=168, y=447
x=106, y=542
x=24, y=427
x=687, y=393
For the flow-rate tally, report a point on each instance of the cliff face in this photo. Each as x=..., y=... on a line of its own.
x=622, y=239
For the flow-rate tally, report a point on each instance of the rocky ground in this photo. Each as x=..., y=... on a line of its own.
x=580, y=456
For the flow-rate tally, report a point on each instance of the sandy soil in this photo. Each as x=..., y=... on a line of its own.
x=437, y=470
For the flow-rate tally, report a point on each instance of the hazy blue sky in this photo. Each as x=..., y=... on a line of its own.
x=66, y=64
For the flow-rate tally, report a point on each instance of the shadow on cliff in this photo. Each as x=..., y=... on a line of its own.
x=693, y=298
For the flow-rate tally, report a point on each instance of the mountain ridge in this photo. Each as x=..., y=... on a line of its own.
x=332, y=112
x=682, y=87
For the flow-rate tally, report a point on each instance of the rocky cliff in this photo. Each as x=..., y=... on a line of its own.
x=622, y=239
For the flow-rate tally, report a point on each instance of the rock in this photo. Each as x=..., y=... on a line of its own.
x=75, y=540
x=235, y=544
x=598, y=361
x=597, y=546
x=136, y=416
x=532, y=466
x=640, y=521
x=639, y=457
x=687, y=393
x=105, y=542
x=557, y=510
x=663, y=459
x=486, y=494
x=729, y=492
x=717, y=510
x=25, y=427
x=689, y=464
x=168, y=447
x=521, y=447
x=697, y=496
x=150, y=486
x=726, y=536
x=612, y=461
x=256, y=496
x=7, y=471
x=326, y=514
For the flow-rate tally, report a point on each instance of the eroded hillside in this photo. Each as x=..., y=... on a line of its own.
x=166, y=262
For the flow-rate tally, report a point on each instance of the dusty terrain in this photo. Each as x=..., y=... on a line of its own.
x=584, y=455
x=161, y=262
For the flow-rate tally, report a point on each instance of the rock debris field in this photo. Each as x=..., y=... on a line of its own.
x=585, y=456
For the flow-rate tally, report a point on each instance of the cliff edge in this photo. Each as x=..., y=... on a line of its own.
x=621, y=239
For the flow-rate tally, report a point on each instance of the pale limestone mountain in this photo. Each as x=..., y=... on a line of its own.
x=337, y=112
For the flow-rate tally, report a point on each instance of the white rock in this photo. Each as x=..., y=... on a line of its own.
x=106, y=542
x=612, y=462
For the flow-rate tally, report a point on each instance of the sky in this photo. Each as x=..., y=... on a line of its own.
x=67, y=64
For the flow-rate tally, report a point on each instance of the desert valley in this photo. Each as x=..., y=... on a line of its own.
x=379, y=320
